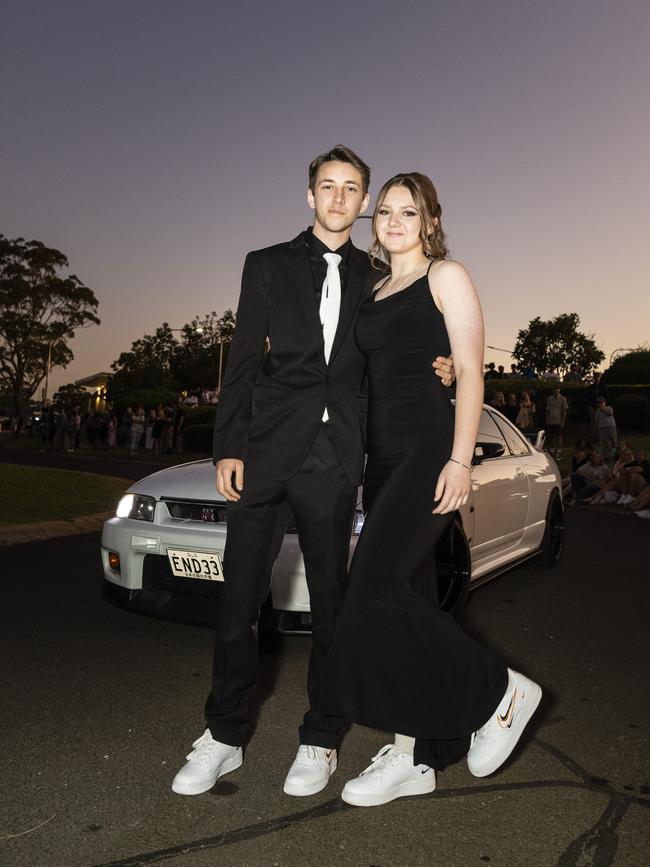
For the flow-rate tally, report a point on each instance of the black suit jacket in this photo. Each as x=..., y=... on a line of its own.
x=272, y=403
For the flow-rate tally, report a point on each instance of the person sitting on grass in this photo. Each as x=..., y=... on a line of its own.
x=581, y=453
x=590, y=478
x=610, y=493
x=609, y=452
x=621, y=446
x=635, y=477
x=627, y=480
x=641, y=505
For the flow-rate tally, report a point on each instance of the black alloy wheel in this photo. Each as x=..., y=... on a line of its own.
x=453, y=567
x=552, y=547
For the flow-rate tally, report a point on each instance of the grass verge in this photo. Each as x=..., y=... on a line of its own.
x=38, y=494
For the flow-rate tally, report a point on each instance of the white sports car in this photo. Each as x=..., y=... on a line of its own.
x=162, y=552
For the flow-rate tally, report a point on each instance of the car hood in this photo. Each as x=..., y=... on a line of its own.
x=193, y=481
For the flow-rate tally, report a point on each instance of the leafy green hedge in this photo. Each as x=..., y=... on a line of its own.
x=199, y=415
x=198, y=438
x=631, y=410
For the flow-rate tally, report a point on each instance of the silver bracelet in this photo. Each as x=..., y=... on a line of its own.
x=460, y=463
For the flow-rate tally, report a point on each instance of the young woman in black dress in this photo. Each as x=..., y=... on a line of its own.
x=398, y=662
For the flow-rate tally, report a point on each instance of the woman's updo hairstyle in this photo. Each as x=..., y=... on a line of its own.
x=425, y=199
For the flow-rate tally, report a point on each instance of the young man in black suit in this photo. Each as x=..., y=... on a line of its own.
x=288, y=438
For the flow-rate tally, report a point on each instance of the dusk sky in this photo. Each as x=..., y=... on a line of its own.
x=154, y=143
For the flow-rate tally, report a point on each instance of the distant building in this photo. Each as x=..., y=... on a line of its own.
x=96, y=384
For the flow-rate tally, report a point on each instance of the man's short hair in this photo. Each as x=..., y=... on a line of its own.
x=339, y=154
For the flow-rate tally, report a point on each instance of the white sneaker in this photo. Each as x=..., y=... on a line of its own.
x=642, y=513
x=492, y=743
x=310, y=771
x=610, y=497
x=391, y=775
x=208, y=761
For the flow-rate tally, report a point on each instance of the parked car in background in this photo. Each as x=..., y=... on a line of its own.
x=162, y=553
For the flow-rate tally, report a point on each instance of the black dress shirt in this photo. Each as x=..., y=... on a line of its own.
x=319, y=266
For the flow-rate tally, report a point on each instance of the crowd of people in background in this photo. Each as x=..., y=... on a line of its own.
x=492, y=371
x=158, y=430
x=521, y=408
x=603, y=469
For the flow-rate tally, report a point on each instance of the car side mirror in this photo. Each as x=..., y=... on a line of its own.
x=483, y=451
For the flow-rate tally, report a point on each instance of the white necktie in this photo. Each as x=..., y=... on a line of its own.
x=330, y=305
x=330, y=301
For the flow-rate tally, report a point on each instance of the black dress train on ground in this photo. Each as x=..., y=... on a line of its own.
x=397, y=662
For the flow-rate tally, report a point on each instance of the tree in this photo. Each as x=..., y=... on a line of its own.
x=633, y=368
x=147, y=365
x=40, y=310
x=203, y=349
x=71, y=395
x=557, y=343
x=159, y=362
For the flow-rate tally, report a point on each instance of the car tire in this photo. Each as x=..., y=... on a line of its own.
x=553, y=541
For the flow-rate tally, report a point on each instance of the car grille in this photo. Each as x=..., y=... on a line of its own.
x=216, y=513
x=192, y=510
x=157, y=574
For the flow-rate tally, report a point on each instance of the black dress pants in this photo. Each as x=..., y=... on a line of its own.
x=322, y=501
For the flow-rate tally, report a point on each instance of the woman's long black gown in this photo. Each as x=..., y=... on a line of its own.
x=397, y=662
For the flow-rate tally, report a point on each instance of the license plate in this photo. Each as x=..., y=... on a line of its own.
x=195, y=564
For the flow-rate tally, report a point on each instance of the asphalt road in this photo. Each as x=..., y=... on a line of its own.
x=99, y=707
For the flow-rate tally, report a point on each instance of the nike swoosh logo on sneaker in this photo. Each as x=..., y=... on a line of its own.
x=505, y=721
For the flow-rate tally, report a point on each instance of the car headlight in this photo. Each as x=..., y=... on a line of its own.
x=136, y=506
